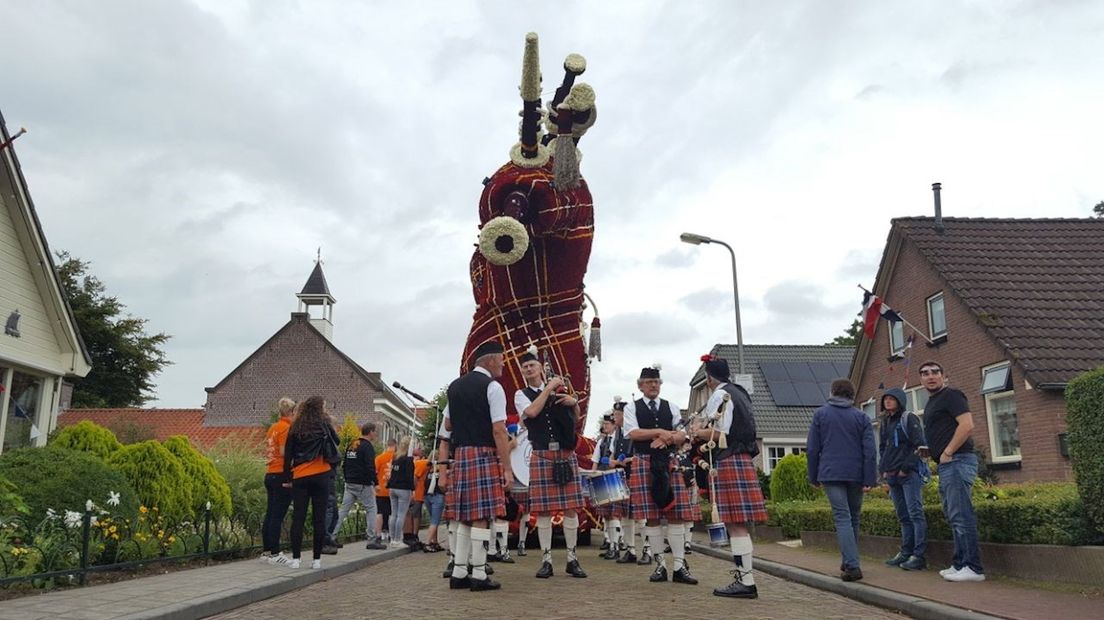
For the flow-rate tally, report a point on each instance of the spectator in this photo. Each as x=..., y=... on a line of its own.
x=401, y=488
x=841, y=460
x=904, y=473
x=360, y=483
x=435, y=504
x=279, y=495
x=311, y=451
x=948, y=424
x=383, y=497
x=414, y=515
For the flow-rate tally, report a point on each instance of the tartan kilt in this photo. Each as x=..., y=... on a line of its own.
x=641, y=502
x=522, y=499
x=544, y=494
x=739, y=497
x=475, y=485
x=614, y=510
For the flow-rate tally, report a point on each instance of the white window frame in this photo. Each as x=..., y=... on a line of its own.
x=931, y=322
x=989, y=421
x=893, y=348
x=912, y=393
x=789, y=445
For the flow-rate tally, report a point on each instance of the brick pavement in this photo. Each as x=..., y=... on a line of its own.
x=411, y=586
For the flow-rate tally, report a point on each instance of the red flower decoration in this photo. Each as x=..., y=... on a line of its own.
x=707, y=358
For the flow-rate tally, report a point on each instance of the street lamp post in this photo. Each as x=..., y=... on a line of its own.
x=694, y=239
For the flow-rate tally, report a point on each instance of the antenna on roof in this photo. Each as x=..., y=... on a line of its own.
x=936, y=187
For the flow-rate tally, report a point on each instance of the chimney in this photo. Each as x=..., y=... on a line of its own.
x=938, y=208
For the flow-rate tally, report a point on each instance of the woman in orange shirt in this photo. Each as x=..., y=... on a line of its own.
x=279, y=496
x=311, y=450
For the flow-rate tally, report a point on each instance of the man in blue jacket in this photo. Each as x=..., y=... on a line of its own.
x=842, y=461
x=903, y=471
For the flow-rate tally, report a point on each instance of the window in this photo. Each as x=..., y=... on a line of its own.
x=777, y=453
x=917, y=399
x=26, y=392
x=937, y=320
x=1000, y=412
x=896, y=337
x=870, y=408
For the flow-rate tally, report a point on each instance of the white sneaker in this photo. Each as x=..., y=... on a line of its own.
x=965, y=574
x=294, y=563
x=316, y=564
x=397, y=545
x=950, y=570
x=279, y=559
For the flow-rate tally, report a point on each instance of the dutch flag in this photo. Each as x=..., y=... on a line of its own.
x=873, y=307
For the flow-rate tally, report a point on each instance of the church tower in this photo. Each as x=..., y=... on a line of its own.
x=316, y=301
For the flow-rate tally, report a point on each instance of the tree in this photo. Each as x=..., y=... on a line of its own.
x=427, y=427
x=851, y=335
x=124, y=357
x=1099, y=209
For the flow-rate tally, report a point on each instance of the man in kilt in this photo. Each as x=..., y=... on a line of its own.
x=739, y=499
x=657, y=491
x=550, y=414
x=481, y=467
x=605, y=452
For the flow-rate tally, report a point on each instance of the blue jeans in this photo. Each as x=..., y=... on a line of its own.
x=956, y=480
x=400, y=503
x=435, y=502
x=366, y=495
x=907, y=499
x=846, y=499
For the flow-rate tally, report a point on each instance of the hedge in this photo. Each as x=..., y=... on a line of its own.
x=789, y=480
x=87, y=436
x=1085, y=423
x=1041, y=513
x=207, y=484
x=60, y=479
x=157, y=476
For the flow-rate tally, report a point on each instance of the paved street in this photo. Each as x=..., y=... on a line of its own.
x=411, y=586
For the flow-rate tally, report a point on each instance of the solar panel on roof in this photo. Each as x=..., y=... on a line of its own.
x=799, y=371
x=843, y=369
x=823, y=371
x=809, y=393
x=773, y=371
x=783, y=393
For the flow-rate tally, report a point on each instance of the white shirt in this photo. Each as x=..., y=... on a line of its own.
x=496, y=397
x=630, y=424
x=598, y=448
x=521, y=401
x=443, y=432
x=715, y=399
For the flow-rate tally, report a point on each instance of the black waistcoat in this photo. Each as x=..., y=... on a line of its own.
x=553, y=422
x=645, y=419
x=470, y=411
x=741, y=433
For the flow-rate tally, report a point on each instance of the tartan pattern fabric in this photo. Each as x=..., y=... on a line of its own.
x=475, y=485
x=739, y=497
x=522, y=499
x=614, y=510
x=544, y=494
x=641, y=502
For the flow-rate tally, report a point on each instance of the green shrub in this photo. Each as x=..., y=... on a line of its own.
x=157, y=476
x=10, y=502
x=1085, y=421
x=239, y=461
x=63, y=479
x=764, y=483
x=207, y=483
x=87, y=436
x=789, y=480
x=1038, y=513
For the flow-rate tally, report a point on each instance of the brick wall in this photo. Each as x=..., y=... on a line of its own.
x=968, y=348
x=298, y=363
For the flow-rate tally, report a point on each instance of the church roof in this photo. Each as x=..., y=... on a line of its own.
x=316, y=283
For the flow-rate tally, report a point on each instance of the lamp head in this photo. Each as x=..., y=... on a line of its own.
x=694, y=239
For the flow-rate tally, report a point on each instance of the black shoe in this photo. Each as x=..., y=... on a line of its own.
x=494, y=557
x=545, y=570
x=478, y=585
x=506, y=559
x=375, y=545
x=660, y=574
x=896, y=560
x=628, y=558
x=575, y=570
x=610, y=554
x=667, y=549
x=851, y=574
x=448, y=570
x=459, y=583
x=914, y=563
x=605, y=545
x=329, y=550
x=737, y=590
x=683, y=575
x=645, y=558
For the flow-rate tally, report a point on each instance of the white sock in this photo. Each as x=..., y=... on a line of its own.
x=676, y=535
x=652, y=532
x=615, y=532
x=544, y=532
x=480, y=540
x=523, y=529
x=628, y=534
x=571, y=534
x=689, y=531
x=451, y=536
x=462, y=552
x=502, y=530
x=741, y=556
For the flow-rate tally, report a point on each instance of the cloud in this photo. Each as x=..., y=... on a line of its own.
x=708, y=301
x=646, y=329
x=676, y=258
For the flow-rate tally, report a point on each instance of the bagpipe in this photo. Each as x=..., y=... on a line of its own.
x=704, y=453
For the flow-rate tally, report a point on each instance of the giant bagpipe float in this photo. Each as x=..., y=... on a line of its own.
x=536, y=225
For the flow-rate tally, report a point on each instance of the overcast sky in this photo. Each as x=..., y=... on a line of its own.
x=198, y=153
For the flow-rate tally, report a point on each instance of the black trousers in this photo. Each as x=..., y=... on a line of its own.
x=316, y=490
x=279, y=499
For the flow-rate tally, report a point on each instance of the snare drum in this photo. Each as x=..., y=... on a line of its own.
x=718, y=535
x=608, y=486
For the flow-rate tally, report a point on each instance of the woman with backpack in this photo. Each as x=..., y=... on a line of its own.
x=904, y=473
x=309, y=456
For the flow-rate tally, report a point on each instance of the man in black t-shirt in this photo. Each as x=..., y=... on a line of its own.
x=947, y=425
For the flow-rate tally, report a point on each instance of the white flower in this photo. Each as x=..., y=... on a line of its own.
x=50, y=514
x=503, y=240
x=113, y=498
x=72, y=519
x=89, y=505
x=208, y=505
x=93, y=521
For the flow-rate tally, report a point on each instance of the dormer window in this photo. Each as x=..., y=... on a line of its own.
x=937, y=319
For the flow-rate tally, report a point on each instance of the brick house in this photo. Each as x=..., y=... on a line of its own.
x=131, y=425
x=1013, y=309
x=789, y=383
x=301, y=360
